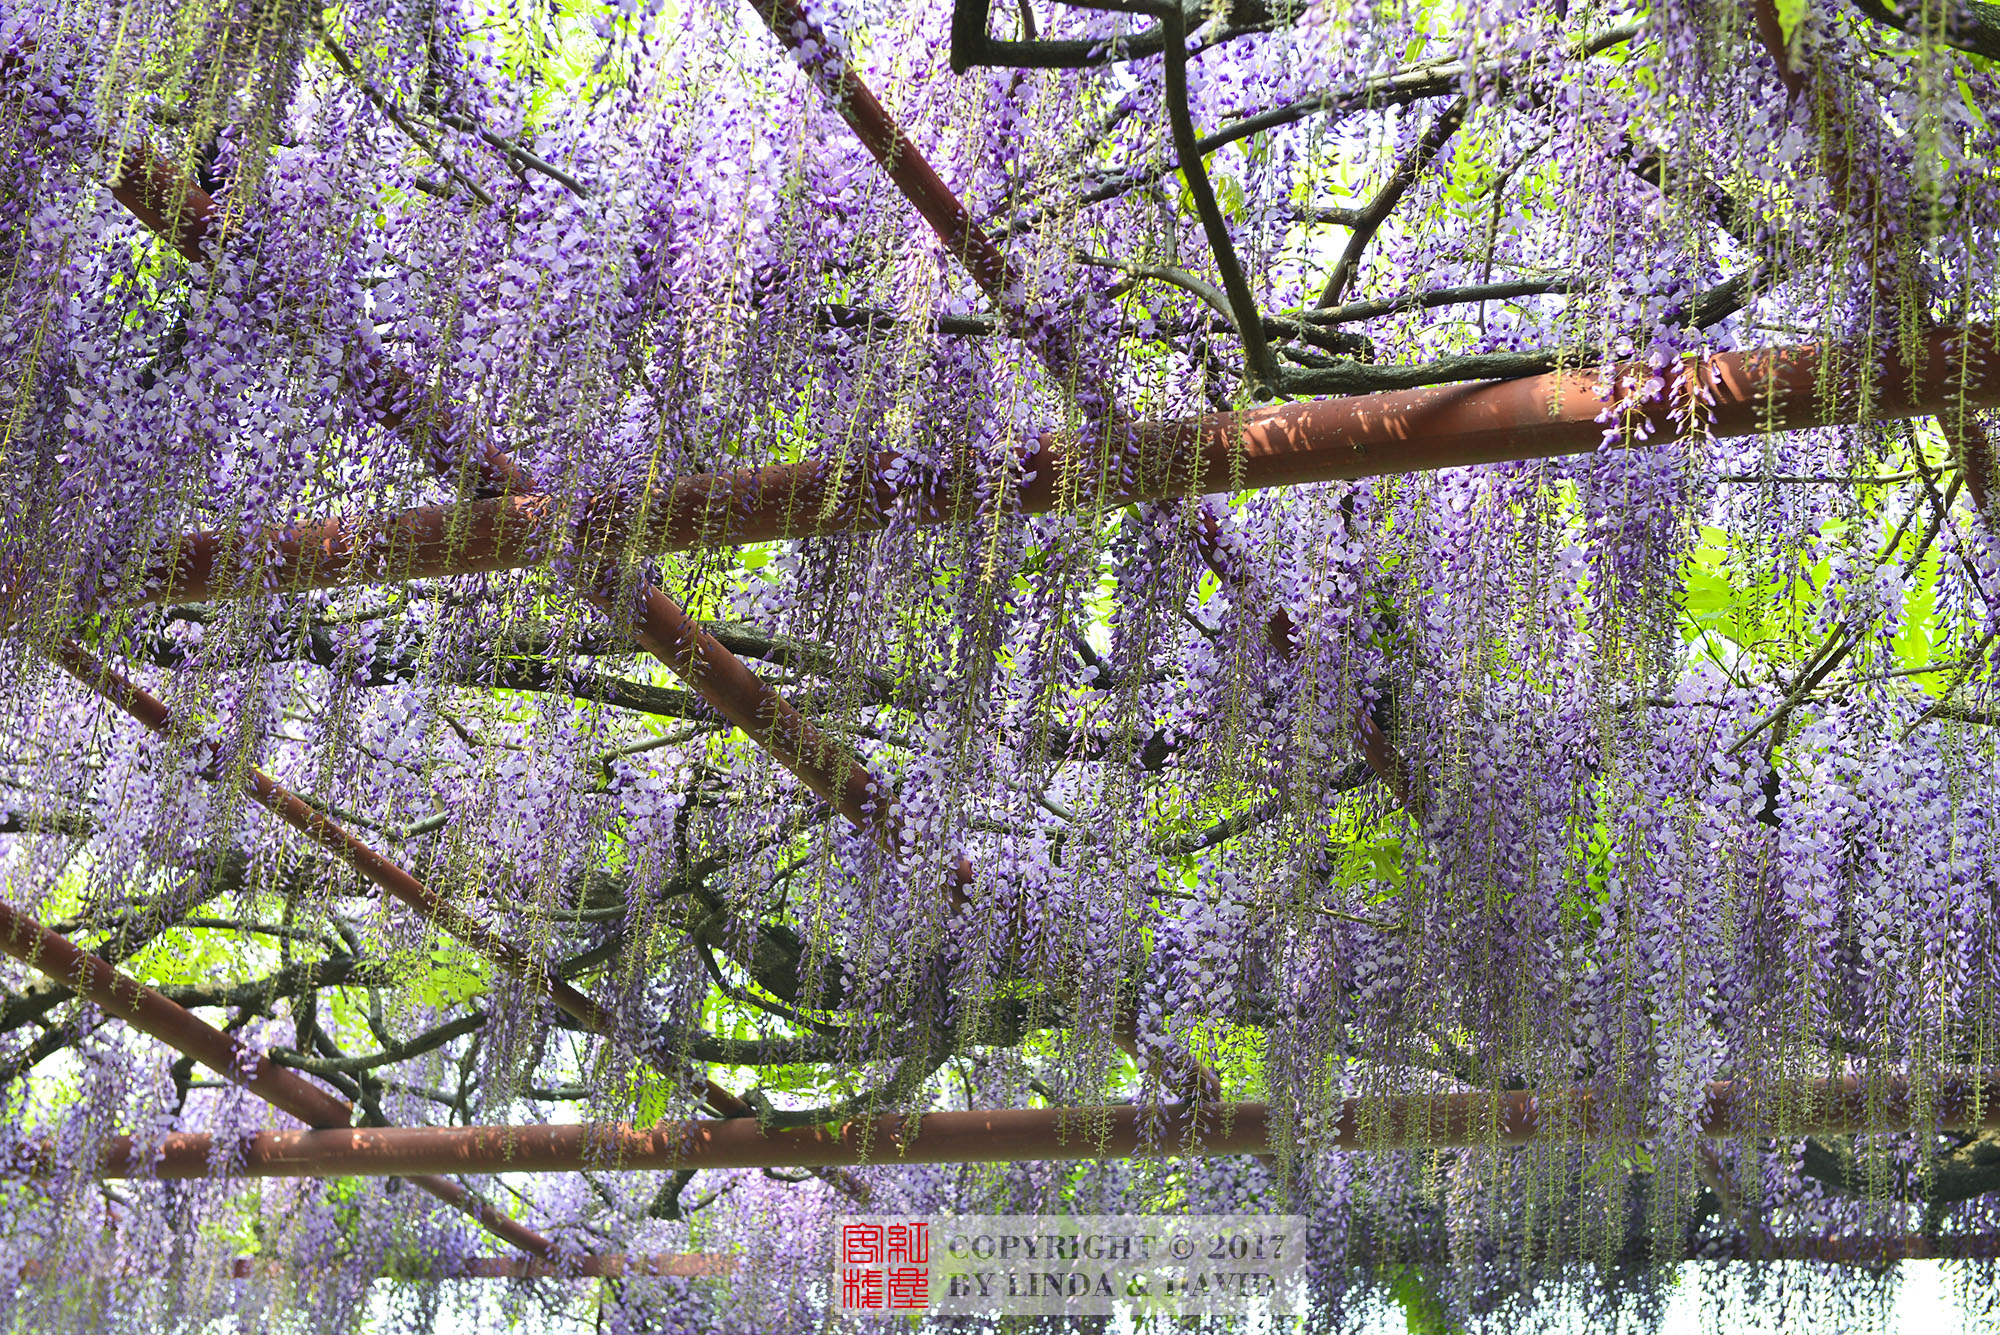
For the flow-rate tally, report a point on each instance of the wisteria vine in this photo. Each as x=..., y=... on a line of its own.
x=1659, y=765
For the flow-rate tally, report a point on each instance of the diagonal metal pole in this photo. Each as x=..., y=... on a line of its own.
x=181, y=1029
x=183, y=214
x=121, y=691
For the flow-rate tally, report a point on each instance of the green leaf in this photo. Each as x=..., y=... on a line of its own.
x=449, y=976
x=1791, y=13
x=655, y=1096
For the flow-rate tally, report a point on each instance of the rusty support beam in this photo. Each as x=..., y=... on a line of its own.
x=1400, y=432
x=173, y=208
x=895, y=153
x=1858, y=193
x=148, y=1011
x=151, y=1013
x=1293, y=444
x=1733, y=1110
x=183, y=214
x=1853, y=1249
x=611, y=1265
x=119, y=690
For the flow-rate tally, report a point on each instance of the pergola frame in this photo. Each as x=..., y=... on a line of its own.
x=507, y=524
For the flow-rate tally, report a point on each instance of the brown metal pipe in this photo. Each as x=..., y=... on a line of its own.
x=151, y=1013
x=1404, y=431
x=609, y=1266
x=1294, y=444
x=664, y=629
x=267, y=792
x=965, y=1137
x=661, y=627
x=174, y=208
x=148, y=1011
x=1733, y=1110
x=1854, y=1249
x=502, y=1226
x=606, y=1265
x=892, y=149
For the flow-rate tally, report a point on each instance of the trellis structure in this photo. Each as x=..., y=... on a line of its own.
x=1103, y=459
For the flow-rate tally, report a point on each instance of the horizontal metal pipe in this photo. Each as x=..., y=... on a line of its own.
x=1732, y=1110
x=171, y=206
x=663, y=628
x=1404, y=431
x=615, y=1265
x=609, y=1265
x=1851, y=1249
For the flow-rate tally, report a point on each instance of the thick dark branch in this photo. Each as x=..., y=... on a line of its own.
x=1416, y=83
x=1710, y=307
x=1436, y=297
x=518, y=661
x=1398, y=89
x=1964, y=1172
x=1353, y=776
x=972, y=46
x=387, y=106
x=527, y=674
x=69, y=822
x=1384, y=203
x=1151, y=751
x=1242, y=301
x=1215, y=299
x=667, y=1203
x=1972, y=25
x=1222, y=831
x=131, y=935
x=428, y=1041
x=702, y=1046
x=258, y=994
x=1723, y=209
x=47, y=1044
x=1359, y=379
x=873, y=321
x=515, y=153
